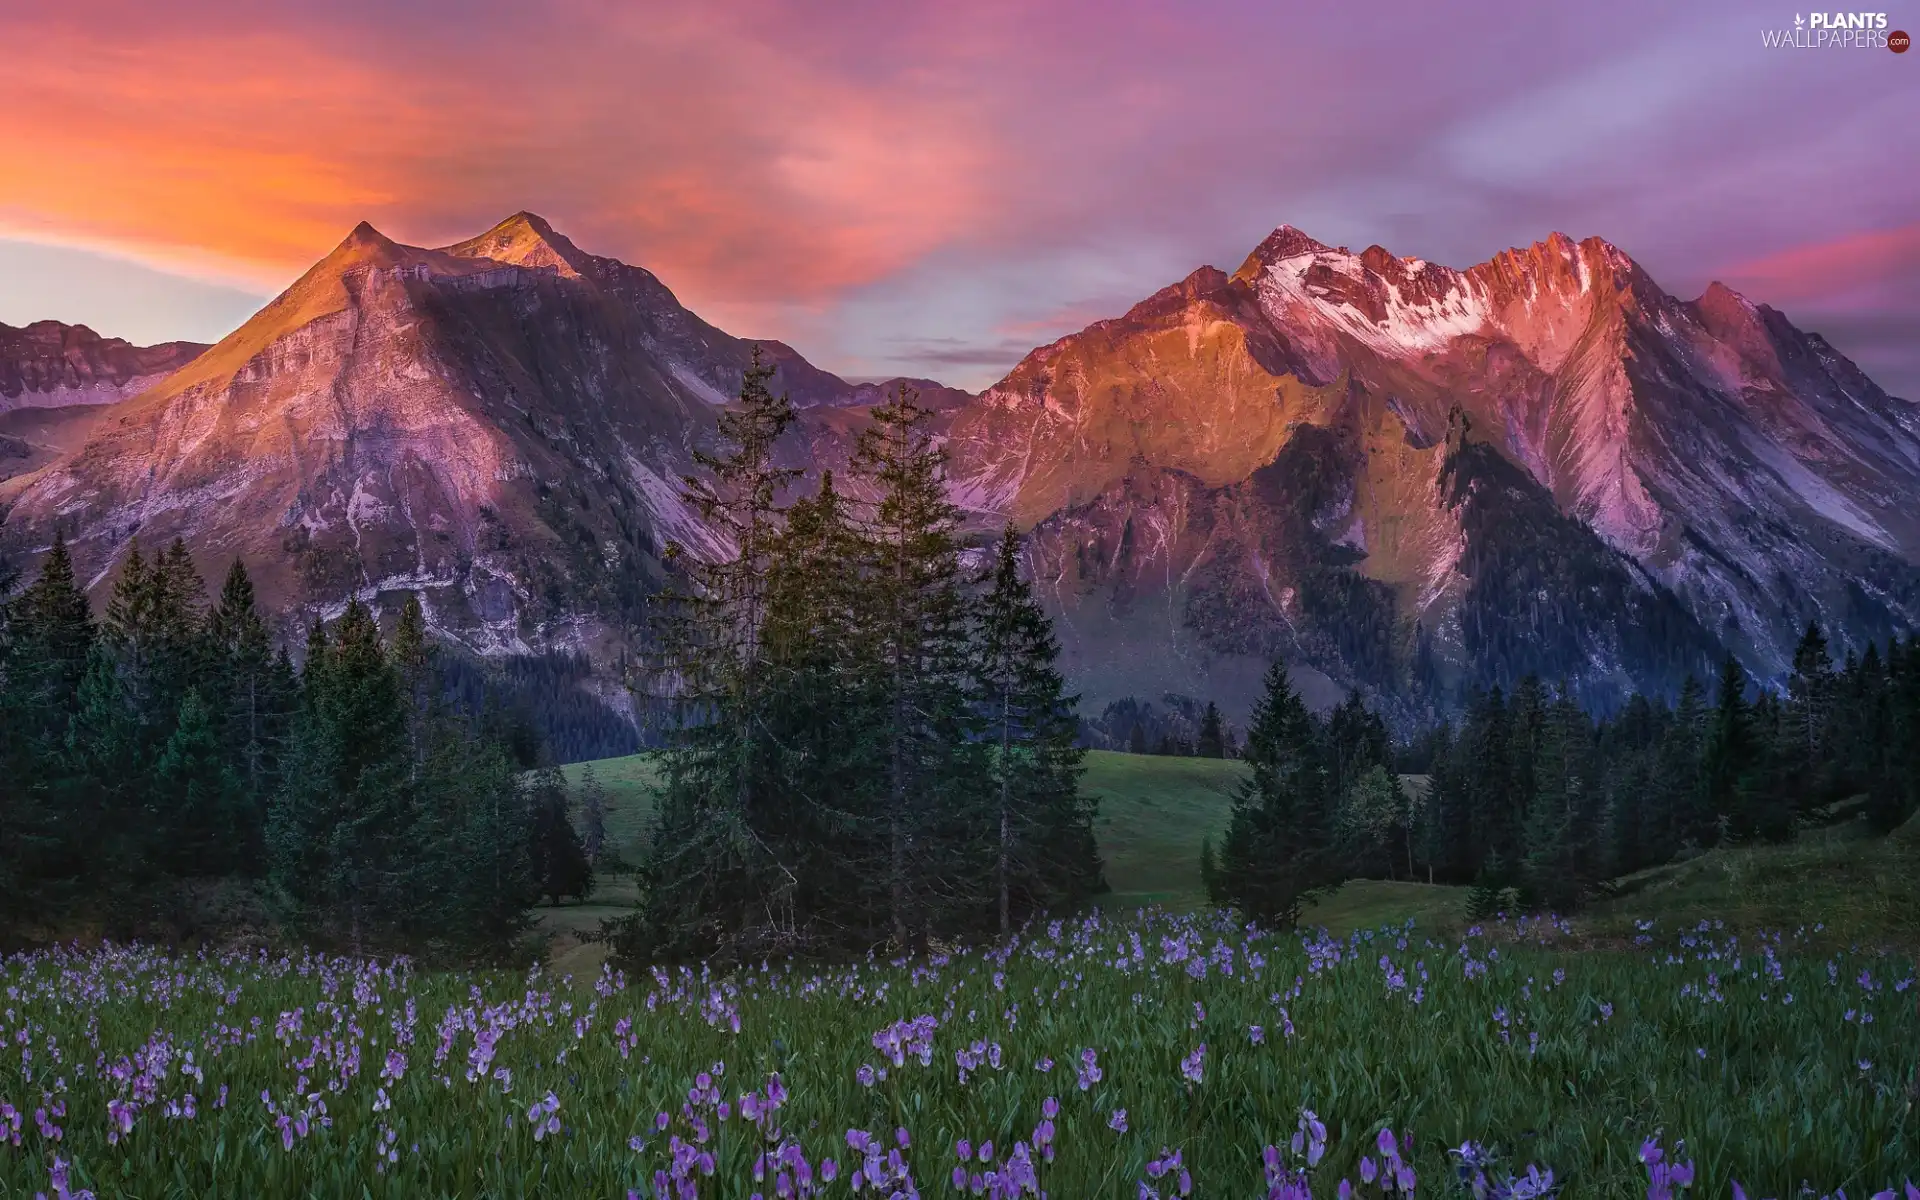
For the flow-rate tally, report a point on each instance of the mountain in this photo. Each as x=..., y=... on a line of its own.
x=50, y=364
x=499, y=425
x=1413, y=478
x=1401, y=477
x=54, y=377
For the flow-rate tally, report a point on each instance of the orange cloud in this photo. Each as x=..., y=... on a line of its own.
x=697, y=146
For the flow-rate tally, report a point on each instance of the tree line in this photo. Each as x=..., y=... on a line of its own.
x=1536, y=803
x=168, y=747
x=870, y=743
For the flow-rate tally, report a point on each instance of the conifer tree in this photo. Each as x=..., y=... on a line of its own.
x=338, y=831
x=829, y=829
x=1045, y=853
x=473, y=862
x=593, y=814
x=559, y=862
x=253, y=692
x=1729, y=754
x=708, y=871
x=196, y=803
x=932, y=810
x=52, y=630
x=1807, y=764
x=1212, y=741
x=1277, y=855
x=48, y=642
x=1559, y=843
x=1687, y=816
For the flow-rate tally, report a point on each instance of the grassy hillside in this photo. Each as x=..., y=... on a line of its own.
x=1861, y=888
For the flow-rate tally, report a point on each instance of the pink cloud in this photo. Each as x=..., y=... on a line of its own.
x=1833, y=270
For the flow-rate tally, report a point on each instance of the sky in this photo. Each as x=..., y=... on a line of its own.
x=934, y=188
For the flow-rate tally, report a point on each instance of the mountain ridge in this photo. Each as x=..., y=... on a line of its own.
x=1379, y=467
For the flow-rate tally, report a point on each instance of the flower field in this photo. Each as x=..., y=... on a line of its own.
x=1151, y=1056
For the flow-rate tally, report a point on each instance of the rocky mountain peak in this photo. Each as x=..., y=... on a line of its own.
x=526, y=240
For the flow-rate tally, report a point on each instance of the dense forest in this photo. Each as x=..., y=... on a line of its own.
x=166, y=771
x=869, y=746
x=1536, y=804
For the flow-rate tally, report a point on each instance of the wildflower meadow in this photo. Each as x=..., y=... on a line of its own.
x=1146, y=1057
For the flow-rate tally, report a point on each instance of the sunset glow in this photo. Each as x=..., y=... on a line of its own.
x=936, y=188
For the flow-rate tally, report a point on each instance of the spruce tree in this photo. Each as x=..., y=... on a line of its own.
x=1045, y=854
x=52, y=630
x=49, y=634
x=559, y=862
x=1889, y=745
x=253, y=692
x=826, y=824
x=1212, y=742
x=473, y=862
x=708, y=875
x=1559, y=843
x=1729, y=754
x=1276, y=855
x=196, y=802
x=933, y=810
x=1685, y=814
x=339, y=829
x=1805, y=747
x=593, y=814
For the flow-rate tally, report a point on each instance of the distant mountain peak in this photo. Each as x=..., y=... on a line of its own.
x=525, y=240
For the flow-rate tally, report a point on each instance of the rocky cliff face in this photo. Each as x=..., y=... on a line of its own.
x=55, y=377
x=498, y=425
x=50, y=364
x=1402, y=477
x=1407, y=475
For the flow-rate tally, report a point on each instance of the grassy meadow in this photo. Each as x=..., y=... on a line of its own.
x=1137, y=1056
x=1751, y=1012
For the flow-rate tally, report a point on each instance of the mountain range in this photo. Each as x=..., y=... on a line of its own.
x=1401, y=477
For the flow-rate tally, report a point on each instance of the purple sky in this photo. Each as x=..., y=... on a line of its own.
x=936, y=188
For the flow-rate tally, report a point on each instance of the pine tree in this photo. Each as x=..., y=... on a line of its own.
x=593, y=814
x=1888, y=746
x=933, y=811
x=1559, y=841
x=826, y=827
x=339, y=828
x=411, y=658
x=1137, y=740
x=52, y=630
x=1685, y=815
x=196, y=804
x=1357, y=742
x=1728, y=756
x=1807, y=763
x=473, y=864
x=708, y=876
x=559, y=862
x=1045, y=854
x=1374, y=823
x=1277, y=855
x=1213, y=742
x=1495, y=808
x=253, y=692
